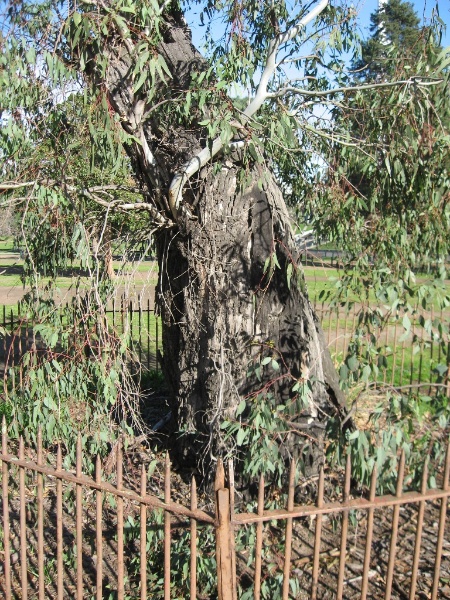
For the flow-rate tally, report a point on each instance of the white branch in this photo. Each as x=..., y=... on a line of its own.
x=16, y=186
x=200, y=160
x=420, y=81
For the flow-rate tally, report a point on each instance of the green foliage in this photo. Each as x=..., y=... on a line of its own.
x=261, y=425
x=418, y=425
x=180, y=555
x=394, y=24
x=75, y=379
x=383, y=197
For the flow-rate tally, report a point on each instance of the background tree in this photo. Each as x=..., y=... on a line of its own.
x=393, y=187
x=396, y=24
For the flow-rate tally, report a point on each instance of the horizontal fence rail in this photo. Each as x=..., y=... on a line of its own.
x=65, y=534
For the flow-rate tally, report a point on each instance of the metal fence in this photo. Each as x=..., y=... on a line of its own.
x=18, y=334
x=348, y=545
x=406, y=347
x=415, y=356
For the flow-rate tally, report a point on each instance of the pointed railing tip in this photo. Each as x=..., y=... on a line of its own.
x=4, y=436
x=58, y=457
x=143, y=480
x=219, y=482
x=79, y=459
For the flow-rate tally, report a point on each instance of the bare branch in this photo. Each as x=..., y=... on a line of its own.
x=16, y=186
x=419, y=81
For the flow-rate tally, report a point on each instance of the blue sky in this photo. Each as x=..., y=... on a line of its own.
x=365, y=8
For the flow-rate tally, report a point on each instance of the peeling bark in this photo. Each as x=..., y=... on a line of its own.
x=219, y=311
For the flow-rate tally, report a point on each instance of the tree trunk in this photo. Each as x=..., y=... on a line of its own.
x=222, y=311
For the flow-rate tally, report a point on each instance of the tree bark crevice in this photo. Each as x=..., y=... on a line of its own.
x=221, y=311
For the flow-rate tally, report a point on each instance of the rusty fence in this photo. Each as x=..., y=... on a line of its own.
x=136, y=317
x=65, y=534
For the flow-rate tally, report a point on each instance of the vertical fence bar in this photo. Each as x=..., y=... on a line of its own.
x=369, y=535
x=413, y=329
x=23, y=524
x=140, y=327
x=345, y=344
x=448, y=370
x=288, y=536
x=442, y=516
x=422, y=348
x=386, y=344
x=394, y=349
x=193, y=565
x=59, y=528
x=402, y=363
x=336, y=333
x=120, y=569
x=79, y=522
x=157, y=340
x=148, y=334
x=130, y=317
x=441, y=314
x=354, y=320
x=232, y=542
x=5, y=373
x=143, y=535
x=259, y=535
x=13, y=337
x=19, y=359
x=344, y=530
x=223, y=535
x=6, y=533
x=318, y=535
x=167, y=530
x=394, y=533
x=40, y=518
x=431, y=346
x=27, y=335
x=122, y=312
x=329, y=326
x=99, y=530
x=418, y=540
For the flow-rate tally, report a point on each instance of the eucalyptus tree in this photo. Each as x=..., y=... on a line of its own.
x=236, y=317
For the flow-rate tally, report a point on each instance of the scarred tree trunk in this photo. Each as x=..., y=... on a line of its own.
x=221, y=310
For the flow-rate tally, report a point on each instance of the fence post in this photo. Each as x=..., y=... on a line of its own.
x=448, y=370
x=223, y=536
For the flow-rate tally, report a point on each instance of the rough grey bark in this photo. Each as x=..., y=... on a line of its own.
x=221, y=313
x=219, y=310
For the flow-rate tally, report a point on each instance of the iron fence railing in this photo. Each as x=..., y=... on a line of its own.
x=352, y=545
x=399, y=357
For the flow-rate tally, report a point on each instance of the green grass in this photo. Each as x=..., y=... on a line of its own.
x=7, y=245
